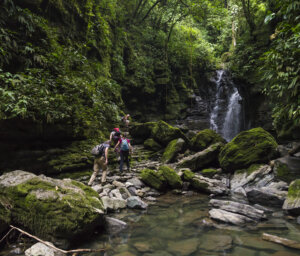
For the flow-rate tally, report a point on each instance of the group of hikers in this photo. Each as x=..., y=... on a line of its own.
x=122, y=147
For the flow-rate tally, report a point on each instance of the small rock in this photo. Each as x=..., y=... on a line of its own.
x=39, y=249
x=136, y=202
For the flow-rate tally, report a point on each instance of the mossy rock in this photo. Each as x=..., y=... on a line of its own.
x=153, y=179
x=205, y=138
x=172, y=178
x=188, y=175
x=248, y=147
x=198, y=161
x=141, y=131
x=152, y=145
x=164, y=133
x=59, y=211
x=172, y=150
x=292, y=202
x=209, y=172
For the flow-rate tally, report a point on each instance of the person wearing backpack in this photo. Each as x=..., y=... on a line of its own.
x=100, y=162
x=125, y=150
x=115, y=135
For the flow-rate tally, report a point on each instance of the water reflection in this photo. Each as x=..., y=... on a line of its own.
x=175, y=226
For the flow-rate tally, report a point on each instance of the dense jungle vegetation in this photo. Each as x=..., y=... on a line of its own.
x=84, y=62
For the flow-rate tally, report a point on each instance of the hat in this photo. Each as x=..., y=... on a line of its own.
x=117, y=129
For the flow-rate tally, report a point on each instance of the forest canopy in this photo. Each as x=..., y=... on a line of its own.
x=83, y=62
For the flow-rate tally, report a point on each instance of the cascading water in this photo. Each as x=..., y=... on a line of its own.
x=226, y=115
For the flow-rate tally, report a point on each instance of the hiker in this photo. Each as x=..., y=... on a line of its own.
x=125, y=150
x=115, y=135
x=100, y=162
x=125, y=120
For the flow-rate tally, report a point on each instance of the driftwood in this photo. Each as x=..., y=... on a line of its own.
x=281, y=240
x=49, y=244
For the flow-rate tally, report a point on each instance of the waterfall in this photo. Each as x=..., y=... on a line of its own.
x=226, y=114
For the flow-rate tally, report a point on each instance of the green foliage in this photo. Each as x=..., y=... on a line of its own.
x=281, y=66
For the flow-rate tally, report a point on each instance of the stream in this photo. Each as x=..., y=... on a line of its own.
x=176, y=225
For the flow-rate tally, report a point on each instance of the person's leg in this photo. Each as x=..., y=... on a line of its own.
x=96, y=169
x=104, y=169
x=126, y=159
x=122, y=160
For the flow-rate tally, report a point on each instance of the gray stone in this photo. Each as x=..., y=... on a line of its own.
x=267, y=196
x=40, y=249
x=242, y=209
x=136, y=202
x=229, y=217
x=136, y=182
x=292, y=202
x=113, y=204
x=114, y=226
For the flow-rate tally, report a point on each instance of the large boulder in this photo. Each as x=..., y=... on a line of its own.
x=152, y=145
x=153, y=179
x=201, y=159
x=141, y=131
x=172, y=150
x=171, y=177
x=58, y=211
x=292, y=202
x=205, y=138
x=206, y=185
x=164, y=133
x=248, y=147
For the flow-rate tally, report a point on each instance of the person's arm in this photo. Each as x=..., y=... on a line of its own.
x=116, y=145
x=106, y=155
x=110, y=137
x=130, y=148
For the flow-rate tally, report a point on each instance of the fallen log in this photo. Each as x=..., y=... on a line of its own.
x=74, y=252
x=280, y=240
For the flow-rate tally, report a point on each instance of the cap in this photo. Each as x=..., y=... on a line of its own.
x=117, y=129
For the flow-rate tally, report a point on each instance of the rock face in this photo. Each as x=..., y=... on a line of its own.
x=292, y=202
x=174, y=147
x=141, y=131
x=152, y=145
x=205, y=138
x=164, y=133
x=55, y=210
x=248, y=147
x=201, y=159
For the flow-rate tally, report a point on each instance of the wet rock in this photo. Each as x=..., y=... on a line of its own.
x=142, y=246
x=292, y=202
x=136, y=182
x=172, y=150
x=152, y=145
x=215, y=242
x=114, y=226
x=113, y=204
x=287, y=168
x=171, y=177
x=267, y=196
x=183, y=247
x=39, y=249
x=248, y=147
x=298, y=220
x=38, y=202
x=204, y=139
x=229, y=217
x=153, y=179
x=136, y=202
x=204, y=184
x=201, y=159
x=280, y=240
x=242, y=209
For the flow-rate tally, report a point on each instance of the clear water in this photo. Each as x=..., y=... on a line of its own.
x=175, y=226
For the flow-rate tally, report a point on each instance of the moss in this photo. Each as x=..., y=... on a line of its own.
x=50, y=208
x=205, y=138
x=198, y=185
x=164, y=133
x=248, y=147
x=294, y=189
x=188, y=175
x=151, y=144
x=171, y=176
x=282, y=171
x=209, y=172
x=141, y=130
x=153, y=179
x=173, y=148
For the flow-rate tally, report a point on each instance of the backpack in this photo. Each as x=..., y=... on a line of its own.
x=116, y=135
x=97, y=150
x=124, y=145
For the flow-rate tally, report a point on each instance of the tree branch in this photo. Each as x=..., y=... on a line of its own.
x=50, y=245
